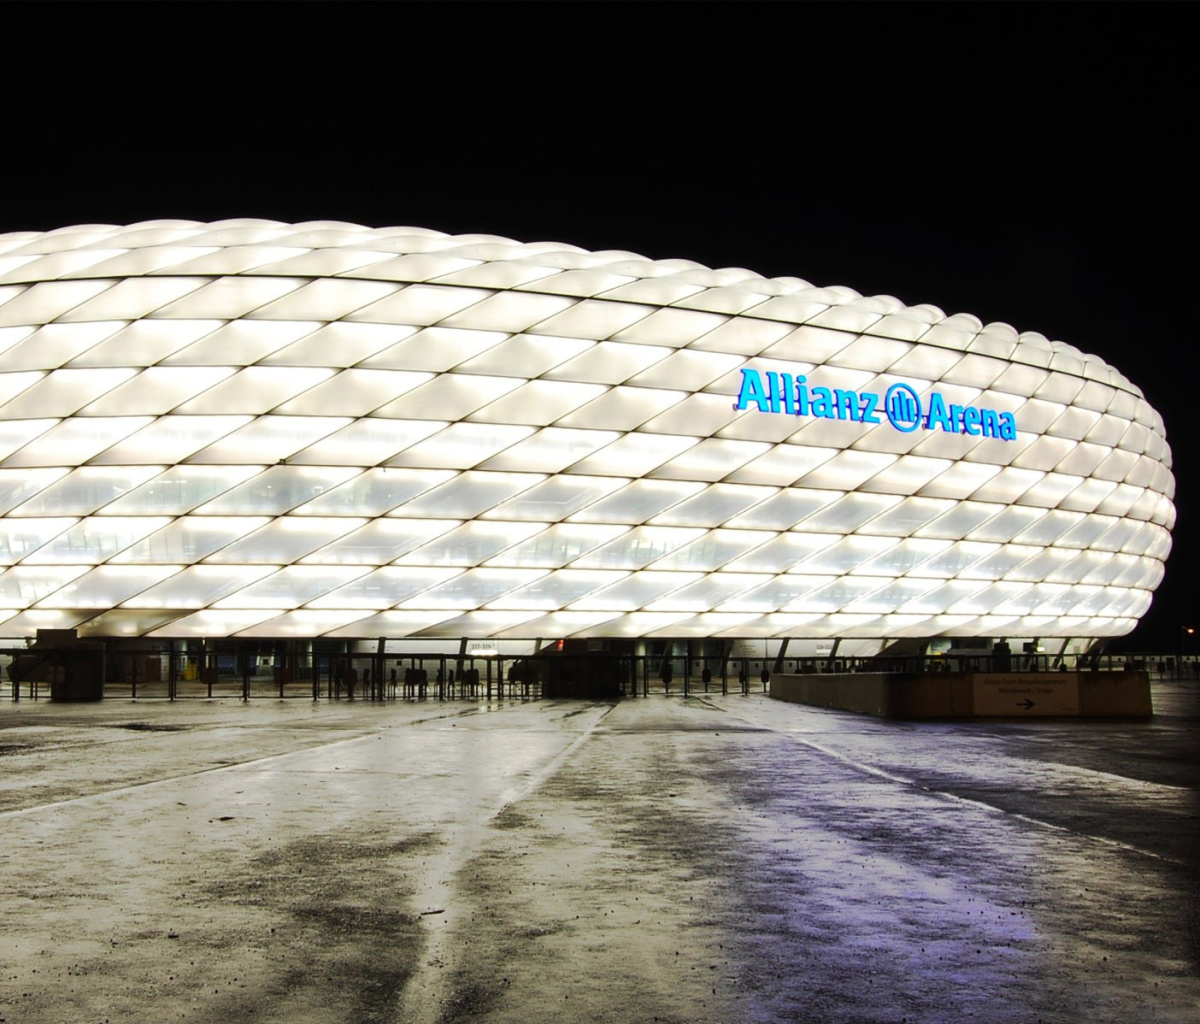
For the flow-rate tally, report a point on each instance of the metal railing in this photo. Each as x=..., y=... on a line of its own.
x=155, y=674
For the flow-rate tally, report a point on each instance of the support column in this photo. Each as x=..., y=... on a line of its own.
x=462, y=654
x=726, y=649
x=207, y=669
x=1062, y=651
x=1096, y=650
x=832, y=654
x=377, y=675
x=783, y=646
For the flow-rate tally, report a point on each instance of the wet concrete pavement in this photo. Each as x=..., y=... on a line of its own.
x=705, y=859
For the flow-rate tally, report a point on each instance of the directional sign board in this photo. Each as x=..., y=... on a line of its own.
x=1027, y=694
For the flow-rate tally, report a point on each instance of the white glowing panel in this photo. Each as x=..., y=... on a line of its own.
x=261, y=429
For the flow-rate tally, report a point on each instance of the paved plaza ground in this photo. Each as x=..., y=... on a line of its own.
x=714, y=858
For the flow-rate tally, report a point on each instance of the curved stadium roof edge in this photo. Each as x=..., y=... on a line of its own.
x=562, y=263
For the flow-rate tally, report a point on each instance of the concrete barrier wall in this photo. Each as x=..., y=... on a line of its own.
x=969, y=694
x=1115, y=693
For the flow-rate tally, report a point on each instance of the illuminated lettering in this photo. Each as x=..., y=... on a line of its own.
x=846, y=403
x=752, y=391
x=903, y=408
x=801, y=396
x=938, y=415
x=773, y=391
x=822, y=403
x=779, y=390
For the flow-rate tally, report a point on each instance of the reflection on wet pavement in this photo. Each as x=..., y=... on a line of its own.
x=712, y=859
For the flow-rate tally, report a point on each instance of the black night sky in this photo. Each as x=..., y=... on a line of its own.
x=1025, y=163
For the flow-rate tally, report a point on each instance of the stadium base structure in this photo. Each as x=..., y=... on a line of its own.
x=364, y=443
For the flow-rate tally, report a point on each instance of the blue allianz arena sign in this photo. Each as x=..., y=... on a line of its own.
x=900, y=406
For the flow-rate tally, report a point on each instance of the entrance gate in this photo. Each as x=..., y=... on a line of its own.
x=246, y=672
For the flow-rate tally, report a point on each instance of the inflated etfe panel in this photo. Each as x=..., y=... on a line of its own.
x=323, y=429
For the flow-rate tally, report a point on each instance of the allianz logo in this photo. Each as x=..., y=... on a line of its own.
x=900, y=406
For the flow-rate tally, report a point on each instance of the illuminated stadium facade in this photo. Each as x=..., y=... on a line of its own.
x=328, y=431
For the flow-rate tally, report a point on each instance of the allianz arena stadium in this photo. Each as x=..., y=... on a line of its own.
x=327, y=431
